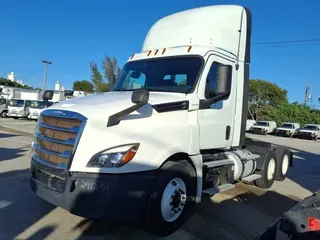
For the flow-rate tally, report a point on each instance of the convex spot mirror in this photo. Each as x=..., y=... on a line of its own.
x=135, y=75
x=140, y=96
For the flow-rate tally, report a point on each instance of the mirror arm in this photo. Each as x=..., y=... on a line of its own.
x=116, y=118
x=206, y=103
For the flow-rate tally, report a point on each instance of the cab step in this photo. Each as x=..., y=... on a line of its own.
x=222, y=188
x=250, y=178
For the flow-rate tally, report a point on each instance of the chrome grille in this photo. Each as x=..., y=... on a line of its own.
x=55, y=141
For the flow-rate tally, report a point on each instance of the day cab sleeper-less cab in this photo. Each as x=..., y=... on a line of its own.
x=170, y=132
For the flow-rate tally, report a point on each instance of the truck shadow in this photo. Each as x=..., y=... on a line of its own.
x=7, y=135
x=242, y=217
x=19, y=209
x=12, y=153
x=305, y=170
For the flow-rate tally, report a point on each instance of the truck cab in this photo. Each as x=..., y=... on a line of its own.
x=310, y=131
x=3, y=107
x=18, y=108
x=288, y=129
x=171, y=131
x=36, y=106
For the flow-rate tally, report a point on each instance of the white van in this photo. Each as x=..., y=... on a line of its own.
x=18, y=108
x=250, y=124
x=35, y=108
x=264, y=127
x=310, y=131
x=288, y=129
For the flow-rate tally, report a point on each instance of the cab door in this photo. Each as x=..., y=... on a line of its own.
x=217, y=120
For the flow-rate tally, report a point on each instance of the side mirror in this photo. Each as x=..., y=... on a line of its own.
x=224, y=78
x=140, y=96
x=68, y=93
x=223, y=86
x=47, y=95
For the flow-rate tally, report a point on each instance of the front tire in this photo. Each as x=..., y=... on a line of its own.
x=4, y=114
x=171, y=198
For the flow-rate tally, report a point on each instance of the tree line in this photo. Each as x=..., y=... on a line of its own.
x=9, y=83
x=267, y=101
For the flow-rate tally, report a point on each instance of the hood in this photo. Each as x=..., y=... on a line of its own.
x=308, y=131
x=286, y=129
x=261, y=127
x=105, y=104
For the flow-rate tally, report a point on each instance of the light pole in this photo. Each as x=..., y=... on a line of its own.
x=46, y=62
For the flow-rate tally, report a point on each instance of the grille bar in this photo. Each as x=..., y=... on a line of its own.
x=67, y=142
x=73, y=130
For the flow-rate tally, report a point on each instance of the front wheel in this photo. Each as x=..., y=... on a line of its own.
x=171, y=198
x=4, y=114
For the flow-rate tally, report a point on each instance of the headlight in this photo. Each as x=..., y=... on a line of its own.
x=114, y=157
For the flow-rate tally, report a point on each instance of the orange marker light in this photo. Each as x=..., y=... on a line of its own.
x=132, y=56
x=149, y=53
x=189, y=48
x=164, y=50
x=156, y=52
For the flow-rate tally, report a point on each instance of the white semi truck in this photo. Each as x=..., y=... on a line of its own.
x=170, y=132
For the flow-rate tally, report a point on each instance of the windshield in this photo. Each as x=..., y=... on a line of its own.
x=310, y=127
x=37, y=104
x=286, y=125
x=177, y=74
x=263, y=124
x=16, y=103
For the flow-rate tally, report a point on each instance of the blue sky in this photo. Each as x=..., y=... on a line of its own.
x=71, y=33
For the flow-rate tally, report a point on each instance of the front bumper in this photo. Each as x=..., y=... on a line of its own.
x=93, y=196
x=258, y=131
x=16, y=115
x=283, y=133
x=307, y=135
x=33, y=116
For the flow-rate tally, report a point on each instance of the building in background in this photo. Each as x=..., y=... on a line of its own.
x=12, y=77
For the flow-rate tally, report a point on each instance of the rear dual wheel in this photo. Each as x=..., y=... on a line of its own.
x=268, y=172
x=284, y=156
x=171, y=198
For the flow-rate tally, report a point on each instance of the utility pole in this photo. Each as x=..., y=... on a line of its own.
x=306, y=94
x=46, y=62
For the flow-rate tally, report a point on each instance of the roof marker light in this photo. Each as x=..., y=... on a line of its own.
x=156, y=52
x=132, y=56
x=189, y=48
x=164, y=50
x=149, y=53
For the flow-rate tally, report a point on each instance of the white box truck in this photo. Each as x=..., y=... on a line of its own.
x=170, y=132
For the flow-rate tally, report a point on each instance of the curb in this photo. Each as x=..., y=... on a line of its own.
x=21, y=133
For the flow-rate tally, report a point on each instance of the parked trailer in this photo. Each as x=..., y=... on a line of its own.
x=152, y=153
